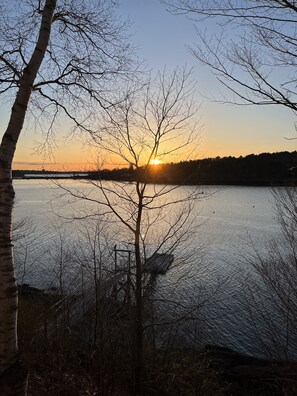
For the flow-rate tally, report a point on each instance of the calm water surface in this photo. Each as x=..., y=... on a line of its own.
x=230, y=218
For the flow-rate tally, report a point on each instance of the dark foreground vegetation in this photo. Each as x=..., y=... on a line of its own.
x=63, y=361
x=266, y=169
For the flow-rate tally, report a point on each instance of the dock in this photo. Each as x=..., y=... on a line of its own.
x=158, y=263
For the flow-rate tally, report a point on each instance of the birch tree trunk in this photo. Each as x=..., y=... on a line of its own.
x=13, y=377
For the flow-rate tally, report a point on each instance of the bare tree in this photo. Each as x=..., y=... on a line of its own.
x=58, y=59
x=270, y=286
x=250, y=46
x=28, y=241
x=251, y=50
x=155, y=123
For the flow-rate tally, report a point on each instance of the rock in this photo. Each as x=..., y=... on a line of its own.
x=248, y=375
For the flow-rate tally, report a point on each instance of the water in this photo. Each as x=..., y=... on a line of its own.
x=213, y=278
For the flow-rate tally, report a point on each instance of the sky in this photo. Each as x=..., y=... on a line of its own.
x=161, y=40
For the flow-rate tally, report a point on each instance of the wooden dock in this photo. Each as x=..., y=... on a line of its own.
x=158, y=263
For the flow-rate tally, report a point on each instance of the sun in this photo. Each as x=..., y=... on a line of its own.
x=155, y=162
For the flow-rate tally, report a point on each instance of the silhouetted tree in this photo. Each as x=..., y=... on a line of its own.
x=56, y=59
x=155, y=122
x=246, y=62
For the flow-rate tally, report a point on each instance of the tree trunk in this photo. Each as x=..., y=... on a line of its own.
x=138, y=325
x=138, y=372
x=13, y=377
x=14, y=380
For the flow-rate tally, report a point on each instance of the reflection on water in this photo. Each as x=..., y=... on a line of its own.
x=231, y=219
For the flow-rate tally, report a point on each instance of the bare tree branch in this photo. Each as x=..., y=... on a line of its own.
x=257, y=66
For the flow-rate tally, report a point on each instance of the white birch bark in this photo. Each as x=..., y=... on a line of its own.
x=8, y=287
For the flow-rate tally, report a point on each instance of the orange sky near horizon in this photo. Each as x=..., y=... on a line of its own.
x=227, y=130
x=233, y=131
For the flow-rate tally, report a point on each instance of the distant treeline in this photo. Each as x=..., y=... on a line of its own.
x=259, y=170
x=263, y=169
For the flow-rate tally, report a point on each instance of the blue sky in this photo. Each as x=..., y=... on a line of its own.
x=161, y=40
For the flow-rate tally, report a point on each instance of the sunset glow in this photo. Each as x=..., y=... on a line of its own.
x=233, y=131
x=155, y=162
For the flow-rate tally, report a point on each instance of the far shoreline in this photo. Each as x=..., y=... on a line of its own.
x=261, y=170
